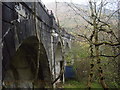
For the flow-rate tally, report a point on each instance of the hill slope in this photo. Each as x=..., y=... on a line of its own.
x=68, y=18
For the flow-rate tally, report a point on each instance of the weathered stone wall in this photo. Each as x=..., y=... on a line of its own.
x=27, y=29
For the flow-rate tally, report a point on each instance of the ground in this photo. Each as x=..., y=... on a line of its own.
x=76, y=84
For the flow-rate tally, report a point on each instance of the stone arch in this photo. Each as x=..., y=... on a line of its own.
x=23, y=66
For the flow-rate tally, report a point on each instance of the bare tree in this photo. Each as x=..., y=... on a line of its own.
x=100, y=25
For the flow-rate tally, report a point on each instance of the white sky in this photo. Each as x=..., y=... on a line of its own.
x=74, y=1
x=112, y=5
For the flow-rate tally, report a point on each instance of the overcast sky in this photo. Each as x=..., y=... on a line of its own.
x=75, y=1
x=112, y=5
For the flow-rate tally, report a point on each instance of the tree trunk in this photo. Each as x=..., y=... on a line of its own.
x=100, y=71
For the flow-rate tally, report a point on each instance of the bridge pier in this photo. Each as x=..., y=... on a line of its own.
x=25, y=25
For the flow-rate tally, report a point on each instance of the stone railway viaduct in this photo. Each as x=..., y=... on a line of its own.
x=31, y=45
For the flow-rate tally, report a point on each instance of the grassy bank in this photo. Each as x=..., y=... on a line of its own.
x=76, y=84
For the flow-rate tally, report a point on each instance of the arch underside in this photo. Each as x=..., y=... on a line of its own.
x=22, y=72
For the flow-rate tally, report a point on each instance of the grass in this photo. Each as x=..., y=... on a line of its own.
x=73, y=84
x=76, y=84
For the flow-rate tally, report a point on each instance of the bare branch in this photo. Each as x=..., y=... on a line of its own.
x=114, y=56
x=80, y=15
x=107, y=43
x=110, y=31
x=112, y=14
x=85, y=37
